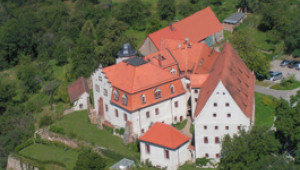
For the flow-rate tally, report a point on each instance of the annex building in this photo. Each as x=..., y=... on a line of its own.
x=180, y=75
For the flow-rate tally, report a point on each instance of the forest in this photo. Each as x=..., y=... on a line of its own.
x=46, y=44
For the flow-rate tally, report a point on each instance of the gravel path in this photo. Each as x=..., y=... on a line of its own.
x=186, y=129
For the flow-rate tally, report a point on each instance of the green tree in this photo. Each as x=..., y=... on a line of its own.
x=154, y=25
x=249, y=150
x=89, y=160
x=134, y=12
x=7, y=92
x=166, y=9
x=61, y=53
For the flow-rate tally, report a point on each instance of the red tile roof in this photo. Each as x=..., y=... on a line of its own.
x=196, y=27
x=236, y=77
x=164, y=135
x=134, y=81
x=197, y=80
x=77, y=88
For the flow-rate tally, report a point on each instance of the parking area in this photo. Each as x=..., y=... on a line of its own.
x=275, y=66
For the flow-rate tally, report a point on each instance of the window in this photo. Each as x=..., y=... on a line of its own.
x=156, y=111
x=176, y=104
x=116, y=95
x=196, y=99
x=217, y=141
x=239, y=127
x=223, y=93
x=124, y=99
x=205, y=127
x=215, y=104
x=125, y=117
x=215, y=115
x=143, y=99
x=195, y=91
x=188, y=86
x=106, y=108
x=100, y=78
x=175, y=118
x=143, y=131
x=97, y=88
x=148, y=114
x=166, y=154
x=205, y=140
x=157, y=94
x=181, y=118
x=172, y=89
x=147, y=148
x=227, y=127
x=228, y=115
x=80, y=106
x=227, y=105
x=116, y=113
x=105, y=92
x=217, y=155
x=206, y=155
x=216, y=127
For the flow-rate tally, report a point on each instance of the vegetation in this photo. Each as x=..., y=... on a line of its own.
x=180, y=125
x=44, y=152
x=89, y=160
x=264, y=110
x=287, y=84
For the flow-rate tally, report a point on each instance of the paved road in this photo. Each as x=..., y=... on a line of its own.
x=285, y=94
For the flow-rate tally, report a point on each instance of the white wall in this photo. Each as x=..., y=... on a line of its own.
x=83, y=99
x=220, y=96
x=193, y=102
x=157, y=156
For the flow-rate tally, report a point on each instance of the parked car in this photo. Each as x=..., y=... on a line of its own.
x=285, y=63
x=293, y=64
x=273, y=76
x=297, y=66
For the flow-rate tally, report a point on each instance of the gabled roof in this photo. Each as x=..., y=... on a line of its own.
x=197, y=80
x=196, y=27
x=236, y=77
x=161, y=58
x=77, y=88
x=131, y=78
x=164, y=135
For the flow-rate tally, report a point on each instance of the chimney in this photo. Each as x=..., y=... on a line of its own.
x=159, y=60
x=171, y=27
x=189, y=45
x=179, y=45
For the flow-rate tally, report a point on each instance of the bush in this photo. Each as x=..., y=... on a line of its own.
x=56, y=129
x=133, y=146
x=202, y=161
x=45, y=121
x=120, y=131
x=24, y=145
x=72, y=135
x=111, y=130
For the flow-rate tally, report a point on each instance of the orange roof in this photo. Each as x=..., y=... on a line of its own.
x=164, y=135
x=135, y=81
x=77, y=88
x=161, y=58
x=197, y=80
x=195, y=58
x=196, y=27
x=236, y=77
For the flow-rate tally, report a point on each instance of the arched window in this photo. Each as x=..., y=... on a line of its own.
x=172, y=89
x=143, y=99
x=124, y=100
x=157, y=93
x=116, y=95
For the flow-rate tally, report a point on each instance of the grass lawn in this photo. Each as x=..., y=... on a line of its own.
x=264, y=109
x=51, y=153
x=263, y=83
x=78, y=123
x=180, y=125
x=289, y=86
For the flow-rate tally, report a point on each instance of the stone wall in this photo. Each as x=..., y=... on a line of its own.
x=14, y=163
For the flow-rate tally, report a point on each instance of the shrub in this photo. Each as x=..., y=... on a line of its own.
x=120, y=131
x=56, y=129
x=72, y=135
x=202, y=161
x=133, y=146
x=24, y=145
x=45, y=121
x=111, y=130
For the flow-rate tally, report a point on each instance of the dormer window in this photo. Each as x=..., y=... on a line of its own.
x=173, y=71
x=143, y=99
x=124, y=99
x=157, y=93
x=172, y=89
x=116, y=95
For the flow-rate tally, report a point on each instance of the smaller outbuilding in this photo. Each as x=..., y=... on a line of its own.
x=124, y=164
x=79, y=94
x=125, y=53
x=233, y=20
x=164, y=146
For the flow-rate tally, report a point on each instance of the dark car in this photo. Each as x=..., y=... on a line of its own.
x=293, y=64
x=273, y=76
x=285, y=63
